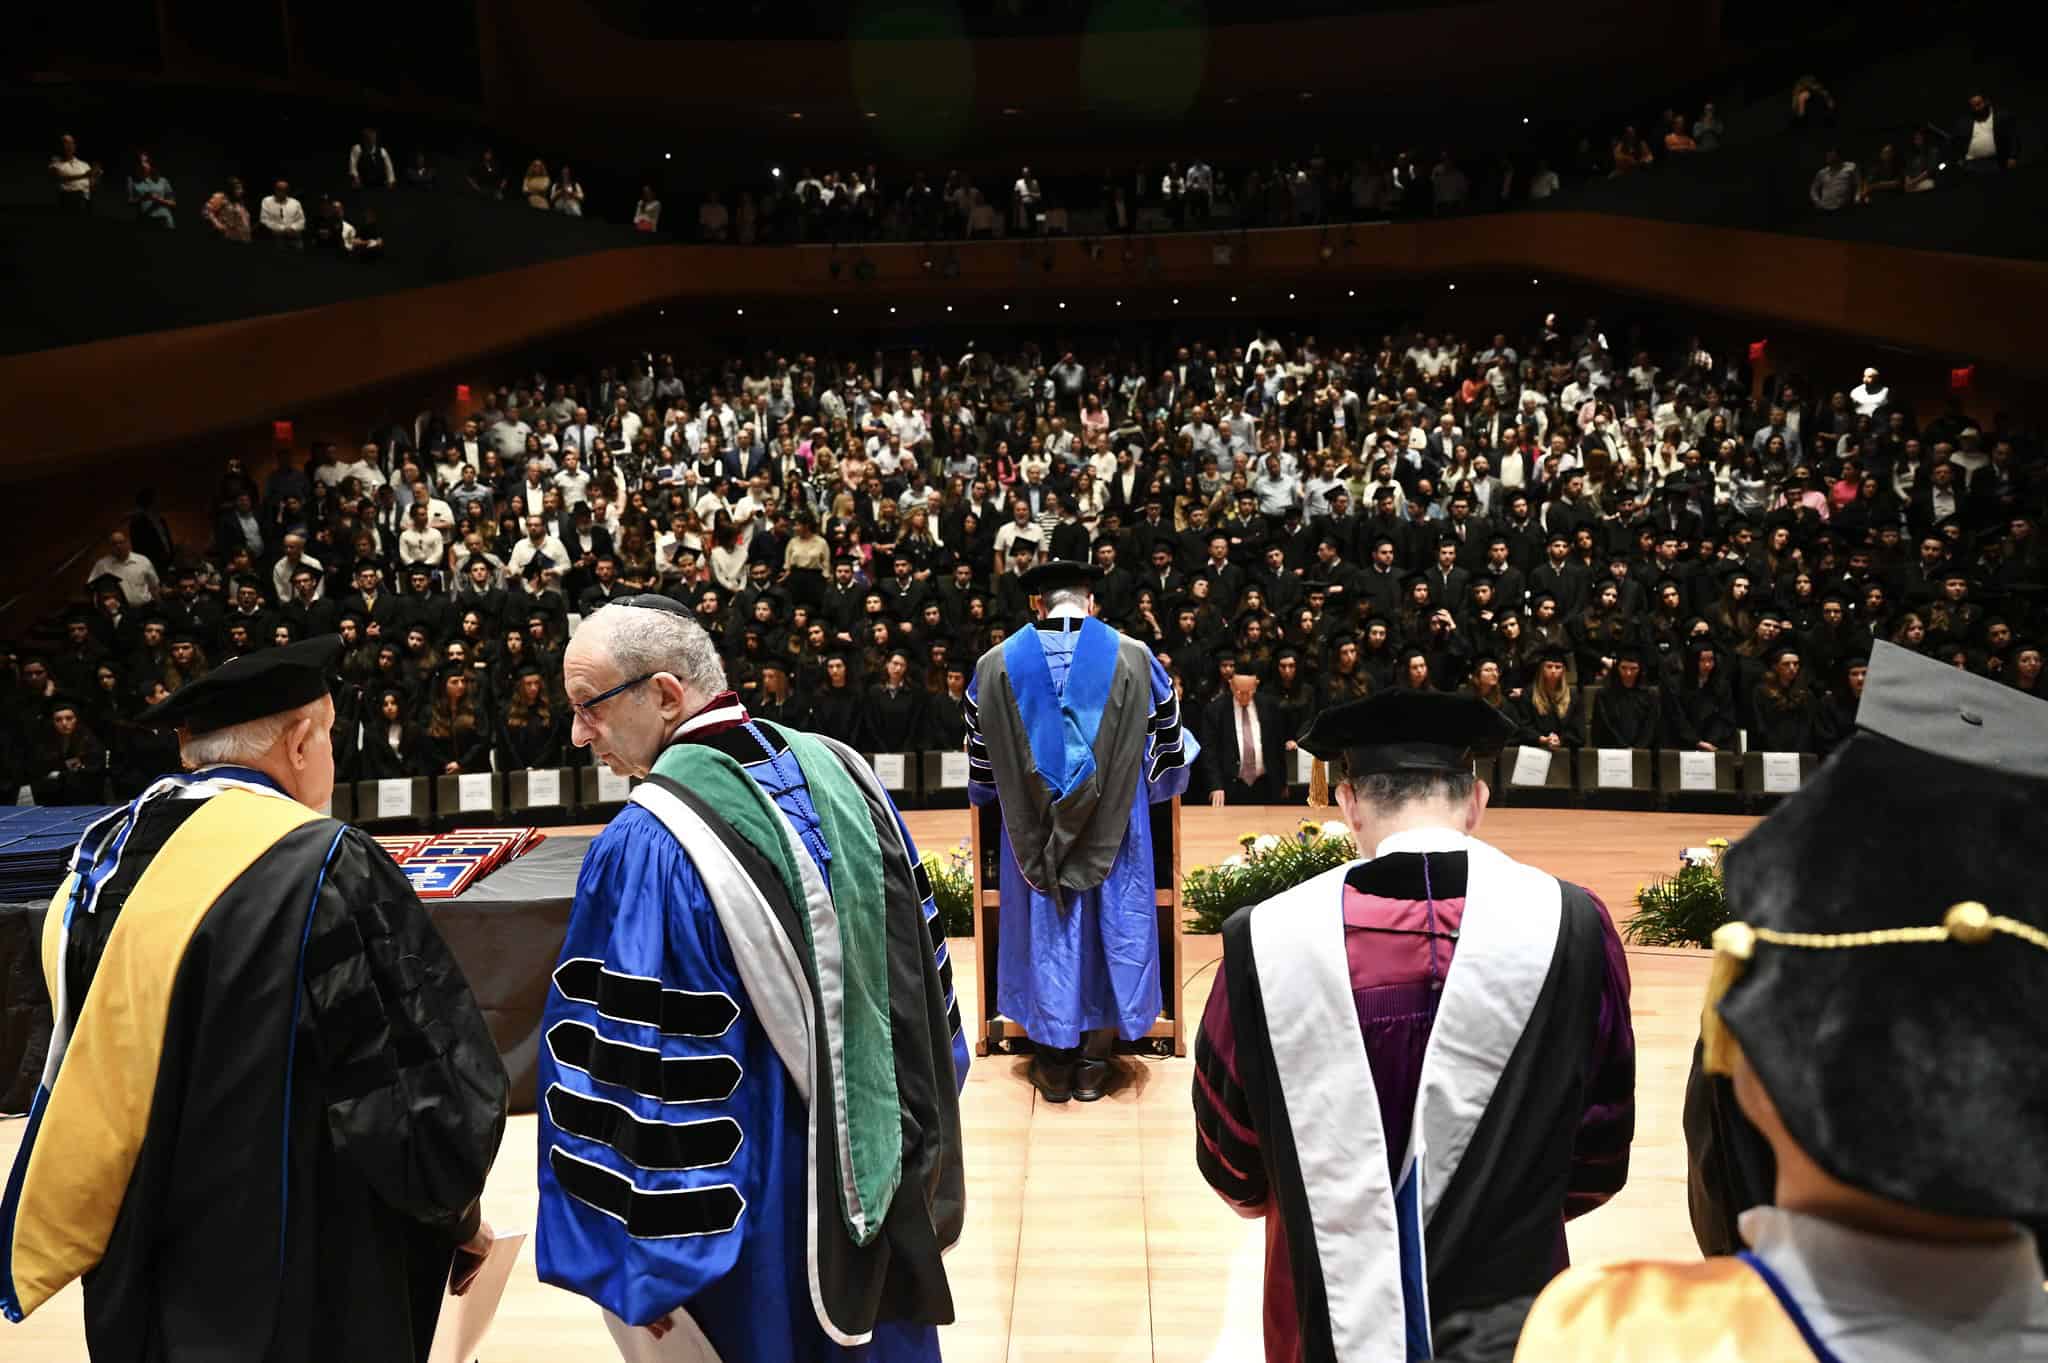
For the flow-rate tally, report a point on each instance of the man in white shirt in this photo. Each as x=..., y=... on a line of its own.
x=440, y=515
x=295, y=556
x=533, y=493
x=537, y=541
x=419, y=542
x=73, y=177
x=1870, y=396
x=136, y=573
x=572, y=479
x=282, y=218
x=364, y=469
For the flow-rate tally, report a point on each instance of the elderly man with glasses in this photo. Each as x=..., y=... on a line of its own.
x=750, y=1123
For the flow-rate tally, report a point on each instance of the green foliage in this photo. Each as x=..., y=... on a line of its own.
x=1682, y=910
x=1267, y=866
x=952, y=890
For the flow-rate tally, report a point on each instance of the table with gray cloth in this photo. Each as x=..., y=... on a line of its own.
x=505, y=932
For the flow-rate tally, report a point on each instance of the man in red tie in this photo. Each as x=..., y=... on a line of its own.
x=1247, y=749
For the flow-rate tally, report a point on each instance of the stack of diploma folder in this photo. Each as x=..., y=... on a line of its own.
x=35, y=847
x=443, y=865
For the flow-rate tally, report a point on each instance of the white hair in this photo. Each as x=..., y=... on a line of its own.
x=242, y=744
x=639, y=641
x=1078, y=597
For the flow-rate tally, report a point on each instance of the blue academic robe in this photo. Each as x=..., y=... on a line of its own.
x=1087, y=959
x=739, y=1262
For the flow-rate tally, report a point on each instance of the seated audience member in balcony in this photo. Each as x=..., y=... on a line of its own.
x=1865, y=1117
x=1676, y=139
x=1987, y=138
x=1543, y=183
x=421, y=173
x=537, y=184
x=647, y=212
x=1921, y=165
x=156, y=203
x=1813, y=104
x=1887, y=175
x=369, y=164
x=226, y=216
x=281, y=217
x=486, y=177
x=1632, y=152
x=714, y=222
x=1836, y=184
x=72, y=177
x=1707, y=130
x=567, y=196
x=1626, y=713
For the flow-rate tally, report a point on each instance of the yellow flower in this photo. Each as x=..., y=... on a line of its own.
x=1247, y=839
x=1717, y=843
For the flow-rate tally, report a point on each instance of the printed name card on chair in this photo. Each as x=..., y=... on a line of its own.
x=1696, y=771
x=394, y=799
x=473, y=793
x=544, y=787
x=1781, y=772
x=889, y=770
x=612, y=788
x=1304, y=766
x=1617, y=768
x=1532, y=766
x=953, y=771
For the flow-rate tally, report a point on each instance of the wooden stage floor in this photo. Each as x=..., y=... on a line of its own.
x=1090, y=1236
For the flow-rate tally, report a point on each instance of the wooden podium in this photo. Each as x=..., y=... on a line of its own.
x=996, y=1033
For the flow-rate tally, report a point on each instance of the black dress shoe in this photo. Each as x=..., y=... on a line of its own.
x=1091, y=1080
x=1052, y=1074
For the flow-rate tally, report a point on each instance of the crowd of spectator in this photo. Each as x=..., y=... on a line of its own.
x=1527, y=518
x=1985, y=141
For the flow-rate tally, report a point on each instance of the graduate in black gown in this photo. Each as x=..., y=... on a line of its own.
x=835, y=711
x=1627, y=713
x=894, y=714
x=270, y=1102
x=531, y=732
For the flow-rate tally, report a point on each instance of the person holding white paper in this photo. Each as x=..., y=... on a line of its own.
x=1427, y=1047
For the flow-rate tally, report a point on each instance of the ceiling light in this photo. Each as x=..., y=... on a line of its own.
x=668, y=156
x=1525, y=118
x=796, y=115
x=1119, y=302
x=1351, y=293
x=739, y=312
x=1454, y=288
x=892, y=308
x=1233, y=298
x=949, y=307
x=835, y=312
x=776, y=171
x=1290, y=298
x=1006, y=307
x=1063, y=305
x=1176, y=302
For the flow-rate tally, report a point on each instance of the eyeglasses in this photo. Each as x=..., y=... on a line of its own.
x=583, y=710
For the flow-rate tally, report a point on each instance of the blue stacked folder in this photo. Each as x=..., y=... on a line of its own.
x=35, y=847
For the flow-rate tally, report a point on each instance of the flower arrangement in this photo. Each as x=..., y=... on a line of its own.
x=1268, y=865
x=952, y=880
x=1683, y=909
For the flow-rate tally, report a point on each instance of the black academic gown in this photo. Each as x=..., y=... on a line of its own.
x=324, y=1100
x=1625, y=717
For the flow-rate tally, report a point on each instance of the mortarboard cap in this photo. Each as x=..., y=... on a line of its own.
x=1402, y=730
x=1940, y=1103
x=254, y=686
x=104, y=583
x=1056, y=573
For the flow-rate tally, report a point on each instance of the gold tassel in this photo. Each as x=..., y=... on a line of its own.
x=1734, y=944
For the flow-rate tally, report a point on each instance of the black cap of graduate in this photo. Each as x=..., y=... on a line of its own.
x=253, y=686
x=1402, y=730
x=1902, y=1032
x=1055, y=573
